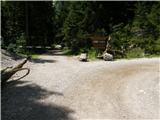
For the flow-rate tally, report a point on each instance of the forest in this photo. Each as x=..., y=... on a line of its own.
x=134, y=26
x=80, y=60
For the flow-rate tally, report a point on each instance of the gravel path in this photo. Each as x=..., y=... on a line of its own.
x=62, y=88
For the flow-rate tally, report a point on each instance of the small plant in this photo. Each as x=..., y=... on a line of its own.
x=135, y=53
x=12, y=47
x=92, y=54
x=157, y=47
x=68, y=52
x=53, y=46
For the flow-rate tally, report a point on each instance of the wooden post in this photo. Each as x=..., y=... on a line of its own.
x=107, y=45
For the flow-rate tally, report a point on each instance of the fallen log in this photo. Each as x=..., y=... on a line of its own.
x=8, y=72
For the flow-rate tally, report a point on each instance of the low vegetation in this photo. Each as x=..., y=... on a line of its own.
x=134, y=27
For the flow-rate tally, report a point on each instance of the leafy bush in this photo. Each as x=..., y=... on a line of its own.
x=21, y=41
x=92, y=53
x=53, y=46
x=20, y=50
x=157, y=47
x=12, y=47
x=68, y=52
x=135, y=53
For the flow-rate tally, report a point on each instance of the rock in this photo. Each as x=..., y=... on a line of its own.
x=107, y=57
x=58, y=47
x=83, y=57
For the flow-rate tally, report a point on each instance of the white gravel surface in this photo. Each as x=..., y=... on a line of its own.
x=62, y=88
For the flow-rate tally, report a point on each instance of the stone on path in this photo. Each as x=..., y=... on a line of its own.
x=107, y=57
x=83, y=57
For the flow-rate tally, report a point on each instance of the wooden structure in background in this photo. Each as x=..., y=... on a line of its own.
x=99, y=42
x=102, y=45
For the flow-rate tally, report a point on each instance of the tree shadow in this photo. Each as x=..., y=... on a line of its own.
x=55, y=53
x=20, y=101
x=39, y=60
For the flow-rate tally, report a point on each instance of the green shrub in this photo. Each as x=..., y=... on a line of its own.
x=20, y=50
x=157, y=47
x=21, y=41
x=53, y=46
x=15, y=49
x=92, y=53
x=135, y=53
x=68, y=52
x=12, y=47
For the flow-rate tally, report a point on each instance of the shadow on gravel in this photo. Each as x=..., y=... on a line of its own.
x=55, y=53
x=20, y=102
x=39, y=60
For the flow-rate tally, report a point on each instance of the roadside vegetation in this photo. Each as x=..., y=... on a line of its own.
x=134, y=27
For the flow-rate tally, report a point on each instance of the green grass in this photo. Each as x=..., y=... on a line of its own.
x=68, y=52
x=34, y=56
x=92, y=54
x=152, y=55
x=135, y=53
x=139, y=53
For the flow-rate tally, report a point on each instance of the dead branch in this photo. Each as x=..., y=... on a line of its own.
x=8, y=72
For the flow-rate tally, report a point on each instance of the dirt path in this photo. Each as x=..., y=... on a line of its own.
x=62, y=88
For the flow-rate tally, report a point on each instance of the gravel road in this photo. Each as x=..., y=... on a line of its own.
x=62, y=88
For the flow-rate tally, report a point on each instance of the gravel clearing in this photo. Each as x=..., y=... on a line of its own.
x=62, y=88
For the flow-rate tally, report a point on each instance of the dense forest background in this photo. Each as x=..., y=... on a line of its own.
x=134, y=27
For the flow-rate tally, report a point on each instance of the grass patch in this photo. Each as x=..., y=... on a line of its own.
x=139, y=53
x=68, y=52
x=33, y=55
x=135, y=53
x=92, y=54
x=151, y=55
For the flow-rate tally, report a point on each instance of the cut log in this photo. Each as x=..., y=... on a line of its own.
x=8, y=72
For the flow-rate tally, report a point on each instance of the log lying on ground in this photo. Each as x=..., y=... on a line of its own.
x=8, y=72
